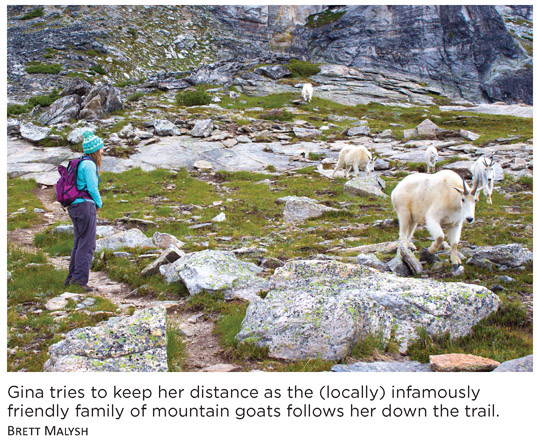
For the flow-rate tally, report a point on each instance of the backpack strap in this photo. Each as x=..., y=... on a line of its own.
x=83, y=157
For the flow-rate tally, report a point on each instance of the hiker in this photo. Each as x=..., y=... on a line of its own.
x=83, y=211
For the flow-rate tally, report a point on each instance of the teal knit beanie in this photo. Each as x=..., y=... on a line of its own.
x=91, y=143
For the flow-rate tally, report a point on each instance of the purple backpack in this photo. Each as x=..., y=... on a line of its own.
x=66, y=191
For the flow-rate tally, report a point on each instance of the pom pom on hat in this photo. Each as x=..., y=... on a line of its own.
x=91, y=143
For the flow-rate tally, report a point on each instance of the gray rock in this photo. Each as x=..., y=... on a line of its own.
x=511, y=255
x=381, y=164
x=133, y=238
x=34, y=133
x=13, y=127
x=358, y=131
x=298, y=209
x=302, y=133
x=214, y=271
x=100, y=101
x=221, y=217
x=76, y=135
x=397, y=266
x=372, y=261
x=383, y=366
x=202, y=128
x=320, y=308
x=427, y=129
x=410, y=133
x=274, y=72
x=169, y=255
x=165, y=240
x=364, y=186
x=77, y=87
x=163, y=127
x=471, y=136
x=62, y=110
x=524, y=364
x=131, y=344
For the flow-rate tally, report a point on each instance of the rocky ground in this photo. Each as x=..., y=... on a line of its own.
x=222, y=225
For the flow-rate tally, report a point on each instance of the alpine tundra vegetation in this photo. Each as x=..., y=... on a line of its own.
x=226, y=242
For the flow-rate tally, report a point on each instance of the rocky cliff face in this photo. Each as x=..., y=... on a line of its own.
x=479, y=53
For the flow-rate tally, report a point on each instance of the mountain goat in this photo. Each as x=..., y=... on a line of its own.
x=431, y=157
x=483, y=176
x=438, y=201
x=355, y=157
x=307, y=92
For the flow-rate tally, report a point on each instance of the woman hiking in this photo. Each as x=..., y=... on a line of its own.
x=83, y=211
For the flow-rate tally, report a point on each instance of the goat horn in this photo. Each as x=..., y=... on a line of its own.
x=464, y=186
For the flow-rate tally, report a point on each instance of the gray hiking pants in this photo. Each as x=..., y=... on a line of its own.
x=84, y=217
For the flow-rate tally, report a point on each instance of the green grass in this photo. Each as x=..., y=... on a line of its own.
x=137, y=96
x=175, y=348
x=32, y=328
x=37, y=12
x=37, y=100
x=44, y=68
x=302, y=69
x=228, y=326
x=20, y=194
x=97, y=69
x=55, y=244
x=323, y=18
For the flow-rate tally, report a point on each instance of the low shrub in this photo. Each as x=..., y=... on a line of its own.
x=44, y=68
x=190, y=98
x=37, y=12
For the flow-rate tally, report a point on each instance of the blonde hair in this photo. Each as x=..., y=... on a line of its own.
x=98, y=158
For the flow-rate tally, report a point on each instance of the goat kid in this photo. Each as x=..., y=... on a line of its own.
x=354, y=157
x=483, y=176
x=307, y=92
x=431, y=158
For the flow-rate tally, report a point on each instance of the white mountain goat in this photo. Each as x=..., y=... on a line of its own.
x=355, y=157
x=307, y=92
x=483, y=176
x=438, y=201
x=431, y=157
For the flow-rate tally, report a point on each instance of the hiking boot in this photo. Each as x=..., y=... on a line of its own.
x=67, y=282
x=83, y=285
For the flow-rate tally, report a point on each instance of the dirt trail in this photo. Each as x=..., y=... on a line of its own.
x=203, y=350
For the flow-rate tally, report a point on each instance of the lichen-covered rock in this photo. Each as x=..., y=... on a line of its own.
x=133, y=238
x=213, y=271
x=357, y=131
x=301, y=132
x=427, y=129
x=165, y=240
x=364, y=186
x=131, y=344
x=321, y=308
x=524, y=364
x=512, y=255
x=383, y=366
x=298, y=209
x=169, y=255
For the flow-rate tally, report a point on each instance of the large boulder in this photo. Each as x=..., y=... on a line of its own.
x=319, y=308
x=364, y=186
x=77, y=87
x=133, y=238
x=62, y=110
x=214, y=271
x=427, y=129
x=34, y=133
x=163, y=127
x=302, y=133
x=524, y=364
x=274, y=72
x=130, y=344
x=202, y=128
x=100, y=101
x=299, y=209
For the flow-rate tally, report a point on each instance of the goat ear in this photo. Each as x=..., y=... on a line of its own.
x=460, y=190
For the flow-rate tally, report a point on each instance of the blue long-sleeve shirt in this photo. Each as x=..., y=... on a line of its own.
x=88, y=179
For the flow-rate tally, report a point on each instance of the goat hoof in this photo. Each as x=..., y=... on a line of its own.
x=428, y=257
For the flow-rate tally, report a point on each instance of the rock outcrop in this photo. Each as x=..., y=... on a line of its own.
x=130, y=344
x=322, y=308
